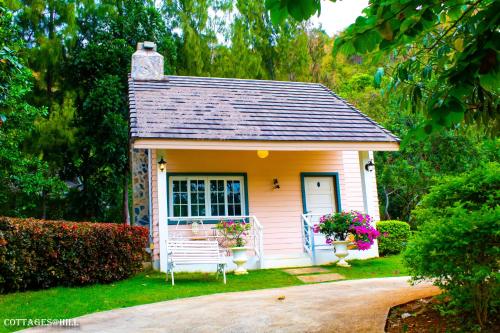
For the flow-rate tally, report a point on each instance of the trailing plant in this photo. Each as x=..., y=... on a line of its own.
x=234, y=232
x=339, y=226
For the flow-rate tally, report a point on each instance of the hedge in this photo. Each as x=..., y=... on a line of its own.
x=394, y=236
x=38, y=254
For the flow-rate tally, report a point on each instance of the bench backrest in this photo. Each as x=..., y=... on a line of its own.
x=193, y=251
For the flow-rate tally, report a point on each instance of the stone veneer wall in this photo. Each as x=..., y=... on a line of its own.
x=140, y=187
x=154, y=201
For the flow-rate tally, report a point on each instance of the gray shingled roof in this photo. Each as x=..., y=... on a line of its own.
x=182, y=107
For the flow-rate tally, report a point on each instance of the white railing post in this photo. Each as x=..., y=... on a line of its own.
x=308, y=237
x=258, y=240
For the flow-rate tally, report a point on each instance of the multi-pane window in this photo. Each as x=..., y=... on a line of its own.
x=217, y=202
x=180, y=197
x=197, y=197
x=233, y=195
x=206, y=196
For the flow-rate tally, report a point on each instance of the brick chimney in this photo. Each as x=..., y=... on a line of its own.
x=147, y=64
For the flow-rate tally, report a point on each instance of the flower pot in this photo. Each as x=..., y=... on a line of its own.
x=240, y=258
x=341, y=252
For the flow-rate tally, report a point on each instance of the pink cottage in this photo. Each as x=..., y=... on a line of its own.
x=276, y=154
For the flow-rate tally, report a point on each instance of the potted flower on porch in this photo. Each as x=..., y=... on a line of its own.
x=340, y=229
x=234, y=234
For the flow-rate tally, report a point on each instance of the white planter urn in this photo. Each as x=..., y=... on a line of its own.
x=240, y=258
x=341, y=252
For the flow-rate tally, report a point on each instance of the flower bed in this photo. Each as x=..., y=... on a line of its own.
x=38, y=254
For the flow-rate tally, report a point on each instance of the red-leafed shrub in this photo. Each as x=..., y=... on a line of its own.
x=41, y=254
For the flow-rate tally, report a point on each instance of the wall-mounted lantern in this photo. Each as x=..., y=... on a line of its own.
x=369, y=166
x=276, y=184
x=162, y=164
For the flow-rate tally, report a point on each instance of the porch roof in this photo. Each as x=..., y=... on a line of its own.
x=213, y=109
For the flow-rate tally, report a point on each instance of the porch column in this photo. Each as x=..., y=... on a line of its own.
x=369, y=184
x=162, y=211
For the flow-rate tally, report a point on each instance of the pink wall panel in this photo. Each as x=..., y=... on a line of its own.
x=277, y=210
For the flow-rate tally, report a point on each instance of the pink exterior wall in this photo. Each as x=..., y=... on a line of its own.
x=277, y=210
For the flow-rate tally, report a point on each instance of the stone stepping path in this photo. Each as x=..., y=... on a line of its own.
x=305, y=270
x=320, y=277
x=323, y=276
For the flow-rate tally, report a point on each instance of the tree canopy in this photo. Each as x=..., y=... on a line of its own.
x=441, y=55
x=63, y=87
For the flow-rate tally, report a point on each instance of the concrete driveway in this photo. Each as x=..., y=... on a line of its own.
x=345, y=306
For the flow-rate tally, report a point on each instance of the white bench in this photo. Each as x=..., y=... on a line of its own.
x=189, y=252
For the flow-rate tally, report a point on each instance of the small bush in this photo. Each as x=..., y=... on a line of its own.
x=38, y=254
x=460, y=253
x=394, y=236
x=457, y=244
x=472, y=190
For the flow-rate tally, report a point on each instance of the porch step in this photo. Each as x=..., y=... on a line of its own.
x=287, y=260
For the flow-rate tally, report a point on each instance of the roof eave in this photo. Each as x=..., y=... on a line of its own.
x=187, y=144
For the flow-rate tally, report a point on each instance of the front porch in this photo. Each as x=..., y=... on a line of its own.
x=207, y=186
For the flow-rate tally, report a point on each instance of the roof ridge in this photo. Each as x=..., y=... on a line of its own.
x=352, y=107
x=241, y=79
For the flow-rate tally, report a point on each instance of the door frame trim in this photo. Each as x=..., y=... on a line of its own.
x=336, y=185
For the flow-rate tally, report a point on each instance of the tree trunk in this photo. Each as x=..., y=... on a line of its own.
x=386, y=210
x=44, y=205
x=126, y=214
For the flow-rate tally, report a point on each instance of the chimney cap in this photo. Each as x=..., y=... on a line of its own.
x=149, y=45
x=146, y=46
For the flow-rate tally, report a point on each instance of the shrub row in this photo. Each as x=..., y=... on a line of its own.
x=38, y=254
x=395, y=235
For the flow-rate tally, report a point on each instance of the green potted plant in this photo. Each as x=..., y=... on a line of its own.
x=234, y=234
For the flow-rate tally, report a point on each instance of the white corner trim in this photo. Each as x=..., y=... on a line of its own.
x=162, y=216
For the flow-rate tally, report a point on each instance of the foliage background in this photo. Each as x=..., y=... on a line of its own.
x=64, y=146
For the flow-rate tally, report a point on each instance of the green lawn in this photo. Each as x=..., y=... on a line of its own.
x=151, y=287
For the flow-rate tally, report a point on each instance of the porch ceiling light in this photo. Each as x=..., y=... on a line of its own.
x=369, y=166
x=162, y=164
x=263, y=153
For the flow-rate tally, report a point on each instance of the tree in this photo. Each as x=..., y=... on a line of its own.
x=96, y=73
x=24, y=178
x=191, y=17
x=48, y=29
x=405, y=176
x=444, y=55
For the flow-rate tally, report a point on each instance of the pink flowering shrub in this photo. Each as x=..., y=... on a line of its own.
x=338, y=227
x=234, y=232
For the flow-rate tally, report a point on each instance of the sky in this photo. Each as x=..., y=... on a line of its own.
x=336, y=16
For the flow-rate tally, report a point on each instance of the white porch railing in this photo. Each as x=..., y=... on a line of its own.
x=308, y=237
x=311, y=241
x=195, y=227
